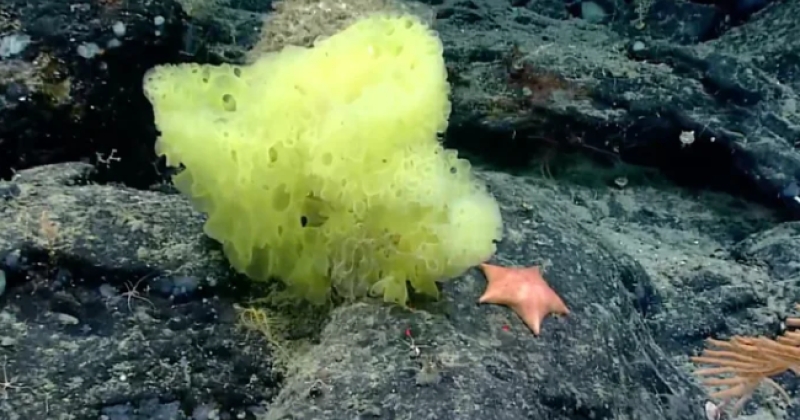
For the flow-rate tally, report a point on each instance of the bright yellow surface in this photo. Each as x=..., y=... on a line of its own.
x=321, y=167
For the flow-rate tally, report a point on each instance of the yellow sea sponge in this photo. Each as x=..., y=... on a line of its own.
x=322, y=167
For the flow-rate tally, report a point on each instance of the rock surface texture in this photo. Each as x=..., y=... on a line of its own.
x=114, y=305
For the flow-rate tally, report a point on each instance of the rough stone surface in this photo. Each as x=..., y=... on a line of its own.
x=74, y=92
x=648, y=272
x=116, y=305
x=96, y=324
x=530, y=79
x=523, y=80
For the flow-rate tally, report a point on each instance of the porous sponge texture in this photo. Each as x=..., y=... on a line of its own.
x=321, y=166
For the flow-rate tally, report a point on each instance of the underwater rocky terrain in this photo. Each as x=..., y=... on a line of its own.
x=647, y=159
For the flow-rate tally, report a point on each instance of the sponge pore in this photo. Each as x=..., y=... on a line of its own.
x=321, y=166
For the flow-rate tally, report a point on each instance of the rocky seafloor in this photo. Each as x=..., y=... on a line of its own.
x=116, y=306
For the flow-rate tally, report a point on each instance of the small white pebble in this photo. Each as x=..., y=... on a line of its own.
x=159, y=20
x=593, y=12
x=88, y=50
x=119, y=28
x=107, y=290
x=113, y=43
x=13, y=45
x=687, y=138
x=65, y=319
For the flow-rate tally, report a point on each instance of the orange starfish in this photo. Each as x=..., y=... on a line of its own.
x=525, y=291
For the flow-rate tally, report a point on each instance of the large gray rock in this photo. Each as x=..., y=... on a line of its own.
x=97, y=319
x=530, y=80
x=173, y=347
x=524, y=81
x=70, y=89
x=116, y=305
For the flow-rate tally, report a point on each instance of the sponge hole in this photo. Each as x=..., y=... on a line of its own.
x=273, y=155
x=228, y=102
